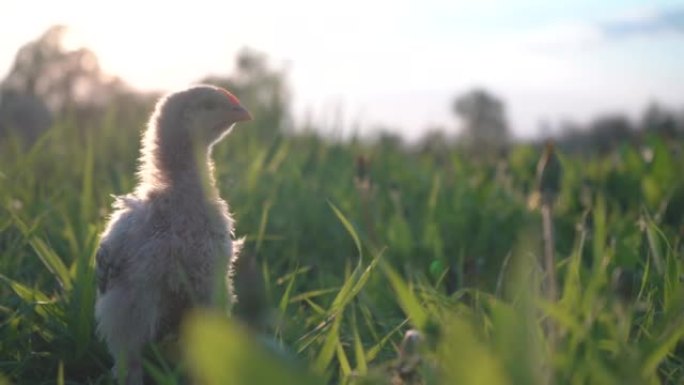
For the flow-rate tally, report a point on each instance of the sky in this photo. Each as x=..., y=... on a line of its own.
x=395, y=63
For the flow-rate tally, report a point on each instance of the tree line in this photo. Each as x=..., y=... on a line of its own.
x=48, y=82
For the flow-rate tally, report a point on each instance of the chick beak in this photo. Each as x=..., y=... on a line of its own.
x=239, y=113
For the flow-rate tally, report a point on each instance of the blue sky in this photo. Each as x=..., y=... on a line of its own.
x=395, y=62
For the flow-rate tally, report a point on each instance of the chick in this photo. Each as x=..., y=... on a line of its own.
x=168, y=245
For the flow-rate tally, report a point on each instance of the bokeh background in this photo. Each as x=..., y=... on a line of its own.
x=403, y=168
x=354, y=67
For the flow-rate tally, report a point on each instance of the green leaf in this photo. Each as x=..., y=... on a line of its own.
x=87, y=184
x=313, y=294
x=359, y=355
x=286, y=296
x=24, y=292
x=220, y=352
x=329, y=347
x=465, y=359
x=262, y=224
x=600, y=229
x=60, y=373
x=373, y=352
x=53, y=263
x=407, y=300
x=664, y=346
x=350, y=229
x=352, y=286
x=343, y=360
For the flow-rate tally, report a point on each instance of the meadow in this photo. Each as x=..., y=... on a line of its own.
x=349, y=244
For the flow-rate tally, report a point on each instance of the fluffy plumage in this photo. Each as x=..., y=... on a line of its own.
x=168, y=245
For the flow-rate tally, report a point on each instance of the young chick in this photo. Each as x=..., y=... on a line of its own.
x=168, y=245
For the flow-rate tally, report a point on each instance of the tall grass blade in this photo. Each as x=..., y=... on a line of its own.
x=329, y=348
x=359, y=354
x=407, y=300
x=350, y=229
x=53, y=263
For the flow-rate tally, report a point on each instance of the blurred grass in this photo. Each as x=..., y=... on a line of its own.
x=352, y=257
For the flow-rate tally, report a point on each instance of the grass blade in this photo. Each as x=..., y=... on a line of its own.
x=407, y=300
x=329, y=347
x=53, y=263
x=359, y=354
x=348, y=226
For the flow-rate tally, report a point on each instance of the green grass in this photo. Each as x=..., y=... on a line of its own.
x=352, y=259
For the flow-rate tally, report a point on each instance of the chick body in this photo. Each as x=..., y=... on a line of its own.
x=168, y=246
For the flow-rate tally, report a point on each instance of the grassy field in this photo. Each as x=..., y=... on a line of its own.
x=358, y=243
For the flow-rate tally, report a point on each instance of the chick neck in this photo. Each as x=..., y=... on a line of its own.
x=177, y=164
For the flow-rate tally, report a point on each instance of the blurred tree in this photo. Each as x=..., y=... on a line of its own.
x=573, y=138
x=603, y=135
x=434, y=141
x=49, y=80
x=62, y=78
x=25, y=115
x=262, y=89
x=660, y=121
x=607, y=132
x=387, y=140
x=485, y=126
